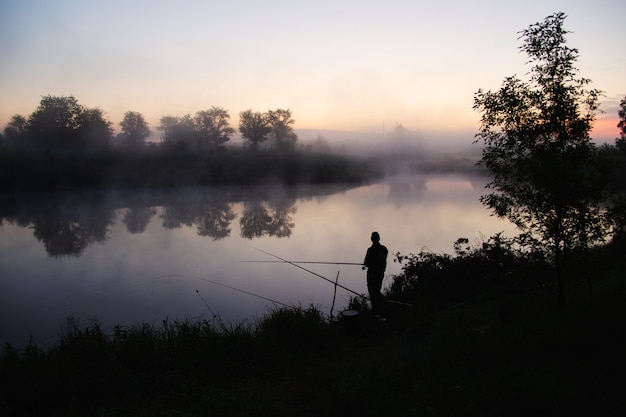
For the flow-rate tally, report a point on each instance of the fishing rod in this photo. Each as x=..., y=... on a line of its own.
x=305, y=262
x=215, y=316
x=314, y=273
x=243, y=291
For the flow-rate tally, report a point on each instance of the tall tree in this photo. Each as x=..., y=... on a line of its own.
x=179, y=132
x=254, y=127
x=94, y=129
x=55, y=122
x=213, y=127
x=546, y=174
x=134, y=128
x=16, y=131
x=282, y=128
x=61, y=122
x=167, y=126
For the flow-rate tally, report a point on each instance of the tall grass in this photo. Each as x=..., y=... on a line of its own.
x=90, y=369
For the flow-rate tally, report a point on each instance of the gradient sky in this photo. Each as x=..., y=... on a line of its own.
x=344, y=65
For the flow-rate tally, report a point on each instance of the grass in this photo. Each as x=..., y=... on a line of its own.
x=503, y=353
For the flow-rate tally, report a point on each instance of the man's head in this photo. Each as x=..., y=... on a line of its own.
x=375, y=237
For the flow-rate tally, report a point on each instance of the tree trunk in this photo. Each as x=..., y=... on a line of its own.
x=558, y=266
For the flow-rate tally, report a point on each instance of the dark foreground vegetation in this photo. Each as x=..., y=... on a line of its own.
x=71, y=171
x=485, y=338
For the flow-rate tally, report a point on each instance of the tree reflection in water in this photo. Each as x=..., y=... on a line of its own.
x=67, y=224
x=67, y=228
x=255, y=220
x=137, y=219
x=69, y=236
x=273, y=218
x=214, y=220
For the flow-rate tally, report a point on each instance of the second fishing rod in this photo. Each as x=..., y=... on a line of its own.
x=316, y=274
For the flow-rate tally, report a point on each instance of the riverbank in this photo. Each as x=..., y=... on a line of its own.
x=513, y=354
x=159, y=169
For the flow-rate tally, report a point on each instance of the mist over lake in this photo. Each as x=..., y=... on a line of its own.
x=129, y=257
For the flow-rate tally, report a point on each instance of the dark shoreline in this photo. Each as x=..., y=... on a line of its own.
x=70, y=171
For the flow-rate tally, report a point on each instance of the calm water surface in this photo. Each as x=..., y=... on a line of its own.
x=127, y=258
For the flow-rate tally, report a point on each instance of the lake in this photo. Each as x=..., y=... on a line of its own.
x=130, y=257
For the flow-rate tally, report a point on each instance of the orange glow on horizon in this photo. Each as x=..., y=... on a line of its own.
x=605, y=129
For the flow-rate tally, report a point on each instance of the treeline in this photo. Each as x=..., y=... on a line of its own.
x=61, y=123
x=65, y=145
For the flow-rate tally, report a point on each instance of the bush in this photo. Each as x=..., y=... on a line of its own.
x=433, y=281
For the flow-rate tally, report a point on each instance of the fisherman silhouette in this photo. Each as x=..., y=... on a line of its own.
x=375, y=262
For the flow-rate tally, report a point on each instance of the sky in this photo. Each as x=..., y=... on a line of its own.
x=356, y=66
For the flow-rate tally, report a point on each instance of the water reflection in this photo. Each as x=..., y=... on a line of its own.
x=136, y=219
x=211, y=216
x=66, y=224
x=70, y=233
x=272, y=218
x=214, y=221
